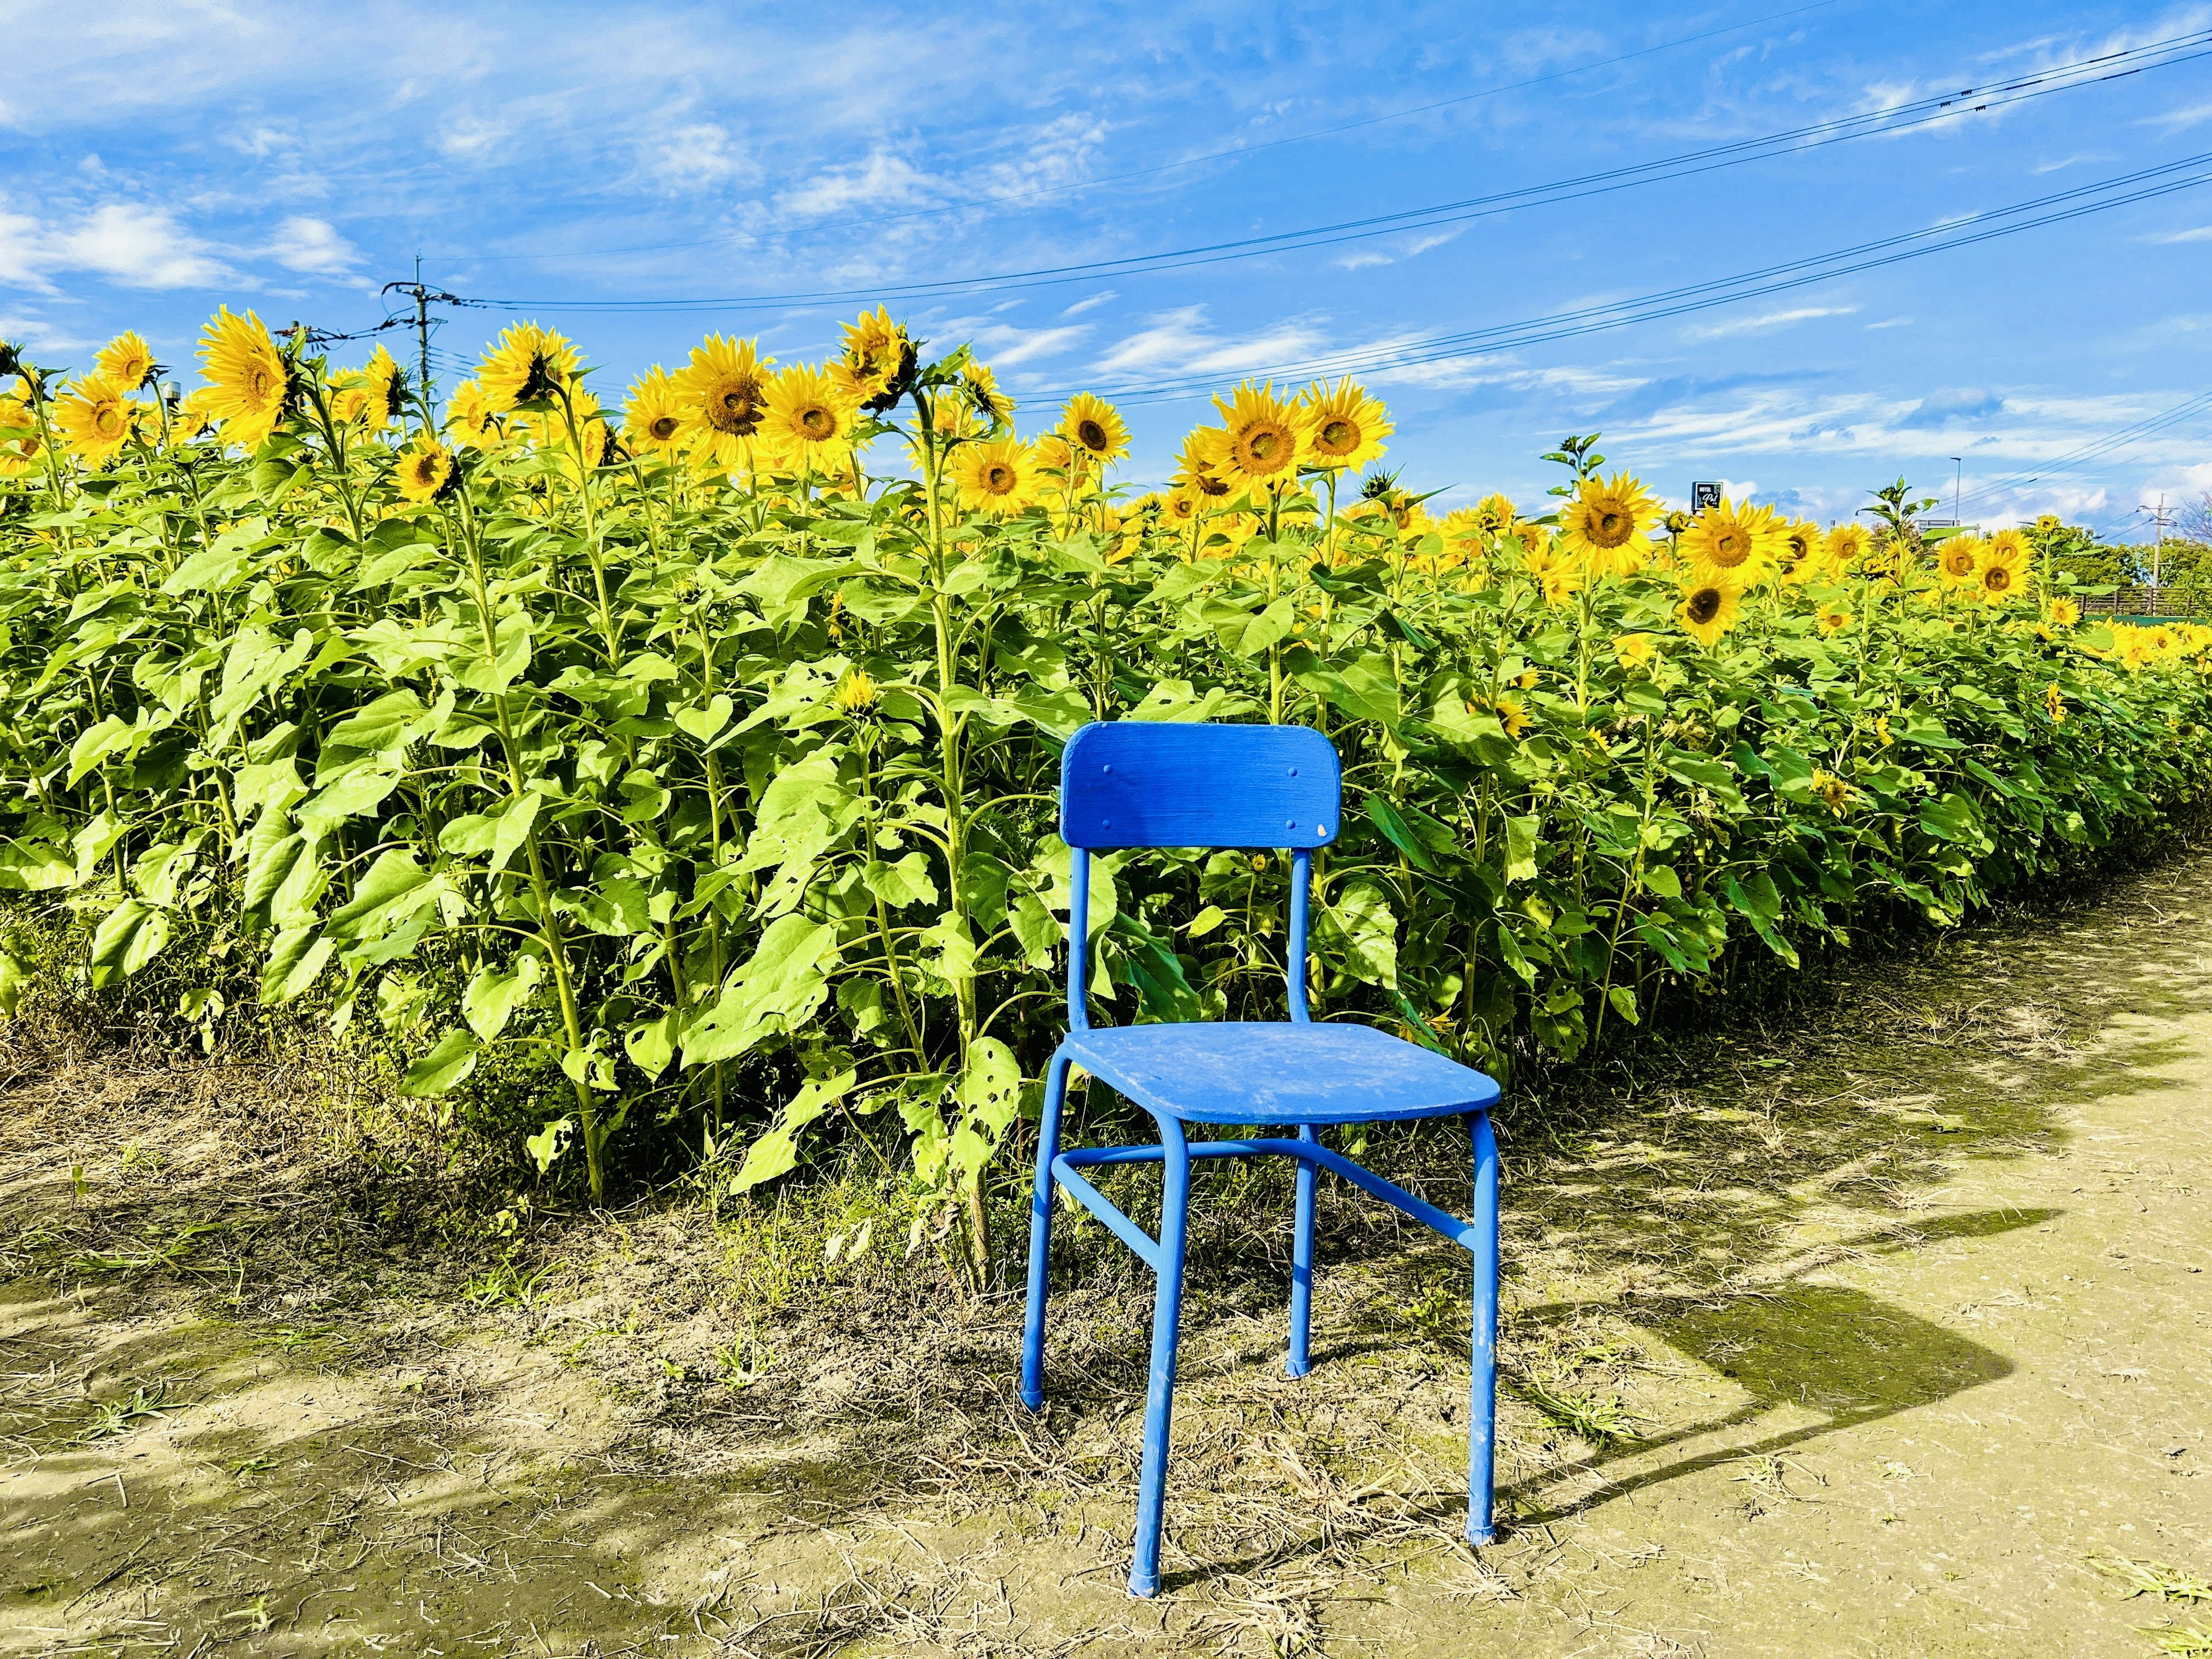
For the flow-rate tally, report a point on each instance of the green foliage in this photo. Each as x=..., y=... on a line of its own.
x=642, y=811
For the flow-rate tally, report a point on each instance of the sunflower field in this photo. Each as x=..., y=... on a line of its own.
x=678, y=782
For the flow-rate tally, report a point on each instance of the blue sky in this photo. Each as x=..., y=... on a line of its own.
x=155, y=159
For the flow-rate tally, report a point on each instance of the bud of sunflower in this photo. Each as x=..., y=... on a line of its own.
x=688, y=590
x=1677, y=522
x=856, y=694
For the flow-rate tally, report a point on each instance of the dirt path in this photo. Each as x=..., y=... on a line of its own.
x=1879, y=1331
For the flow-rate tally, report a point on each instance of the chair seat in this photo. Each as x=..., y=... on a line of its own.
x=1226, y=1072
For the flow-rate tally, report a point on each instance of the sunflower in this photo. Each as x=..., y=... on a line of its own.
x=1260, y=440
x=2047, y=522
x=1184, y=507
x=1804, y=552
x=807, y=421
x=856, y=694
x=1832, y=618
x=1846, y=546
x=249, y=380
x=722, y=396
x=1467, y=534
x=20, y=448
x=1608, y=524
x=1709, y=609
x=1733, y=544
x=1832, y=791
x=1495, y=513
x=652, y=418
x=1512, y=714
x=878, y=361
x=470, y=417
x=426, y=470
x=1094, y=429
x=2004, y=570
x=1959, y=560
x=385, y=383
x=982, y=389
x=1194, y=468
x=2064, y=613
x=1635, y=652
x=528, y=365
x=125, y=362
x=2054, y=703
x=348, y=398
x=997, y=476
x=1556, y=572
x=2012, y=544
x=94, y=418
x=1345, y=426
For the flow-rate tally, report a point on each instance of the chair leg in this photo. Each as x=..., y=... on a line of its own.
x=1159, y=1399
x=1056, y=1092
x=1302, y=1251
x=1482, y=1399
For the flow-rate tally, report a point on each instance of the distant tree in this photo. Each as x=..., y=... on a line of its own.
x=2195, y=519
x=2074, y=551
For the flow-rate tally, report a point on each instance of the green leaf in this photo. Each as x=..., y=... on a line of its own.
x=493, y=997
x=907, y=882
x=988, y=1092
x=776, y=1152
x=546, y=1146
x=1520, y=838
x=394, y=889
x=294, y=960
x=442, y=1070
x=1623, y=998
x=777, y=989
x=1400, y=834
x=128, y=938
x=651, y=1044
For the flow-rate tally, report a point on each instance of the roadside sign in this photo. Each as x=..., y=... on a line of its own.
x=1703, y=495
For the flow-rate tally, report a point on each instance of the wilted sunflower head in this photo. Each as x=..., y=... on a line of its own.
x=1264, y=438
x=878, y=361
x=426, y=470
x=125, y=362
x=94, y=418
x=1833, y=793
x=528, y=365
x=1094, y=429
x=1345, y=427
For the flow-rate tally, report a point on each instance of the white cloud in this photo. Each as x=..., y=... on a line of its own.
x=1005, y=347
x=1096, y=299
x=1770, y=319
x=39, y=334
x=883, y=180
x=1891, y=322
x=125, y=242
x=315, y=246
x=1391, y=251
x=2201, y=233
x=468, y=137
x=2175, y=120
x=703, y=155
x=1179, y=341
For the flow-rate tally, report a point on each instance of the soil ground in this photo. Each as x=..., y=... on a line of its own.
x=1877, y=1329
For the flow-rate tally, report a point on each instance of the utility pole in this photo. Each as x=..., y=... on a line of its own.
x=425, y=298
x=1958, y=475
x=2160, y=518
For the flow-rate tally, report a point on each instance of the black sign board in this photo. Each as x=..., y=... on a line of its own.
x=1703, y=495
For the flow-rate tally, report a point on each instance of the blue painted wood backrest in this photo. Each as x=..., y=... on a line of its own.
x=1160, y=783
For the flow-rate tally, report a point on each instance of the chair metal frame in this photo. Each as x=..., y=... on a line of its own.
x=1240, y=799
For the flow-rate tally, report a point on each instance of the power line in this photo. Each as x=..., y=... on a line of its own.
x=1233, y=153
x=2175, y=50
x=2149, y=183
x=2095, y=449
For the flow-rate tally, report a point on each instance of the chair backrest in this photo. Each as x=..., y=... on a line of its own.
x=1158, y=783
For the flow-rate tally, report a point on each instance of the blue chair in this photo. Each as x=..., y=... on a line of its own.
x=1143, y=784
